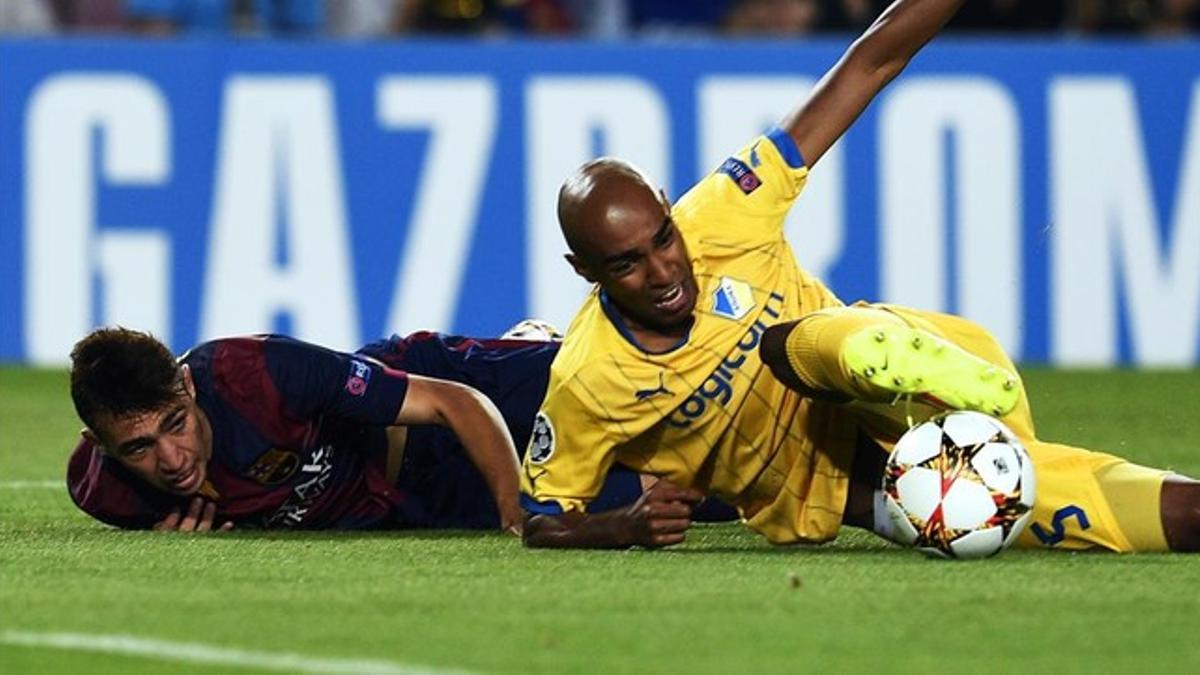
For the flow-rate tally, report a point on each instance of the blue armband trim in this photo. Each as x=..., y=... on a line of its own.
x=787, y=147
x=534, y=506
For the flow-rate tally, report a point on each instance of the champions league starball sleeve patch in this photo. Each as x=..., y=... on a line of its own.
x=541, y=443
x=745, y=178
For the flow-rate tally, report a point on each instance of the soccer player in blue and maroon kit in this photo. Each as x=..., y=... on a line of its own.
x=270, y=432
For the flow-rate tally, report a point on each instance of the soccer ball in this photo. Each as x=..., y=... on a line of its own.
x=959, y=486
x=534, y=330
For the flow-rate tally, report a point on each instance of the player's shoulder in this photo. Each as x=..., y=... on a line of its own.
x=210, y=352
x=767, y=169
x=600, y=370
x=238, y=371
x=243, y=356
x=581, y=348
x=593, y=345
x=105, y=491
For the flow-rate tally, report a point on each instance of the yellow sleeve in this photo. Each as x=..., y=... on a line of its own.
x=748, y=196
x=570, y=452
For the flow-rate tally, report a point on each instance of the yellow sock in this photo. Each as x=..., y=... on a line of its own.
x=814, y=349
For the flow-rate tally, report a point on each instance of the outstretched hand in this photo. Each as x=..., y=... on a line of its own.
x=662, y=515
x=198, y=518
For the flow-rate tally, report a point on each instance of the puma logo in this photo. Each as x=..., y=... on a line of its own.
x=643, y=394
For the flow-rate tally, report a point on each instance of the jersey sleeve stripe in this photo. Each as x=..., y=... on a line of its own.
x=787, y=147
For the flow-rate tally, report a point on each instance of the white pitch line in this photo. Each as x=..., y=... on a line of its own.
x=196, y=652
x=32, y=484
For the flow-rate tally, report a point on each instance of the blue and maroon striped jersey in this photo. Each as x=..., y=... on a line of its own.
x=299, y=442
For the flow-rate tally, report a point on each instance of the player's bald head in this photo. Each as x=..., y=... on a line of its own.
x=603, y=193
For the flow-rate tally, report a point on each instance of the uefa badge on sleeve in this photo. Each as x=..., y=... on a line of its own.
x=745, y=178
x=360, y=375
x=541, y=443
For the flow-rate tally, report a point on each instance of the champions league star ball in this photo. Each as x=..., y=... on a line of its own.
x=535, y=330
x=959, y=486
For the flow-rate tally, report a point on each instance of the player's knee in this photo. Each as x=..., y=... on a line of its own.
x=772, y=349
x=1181, y=514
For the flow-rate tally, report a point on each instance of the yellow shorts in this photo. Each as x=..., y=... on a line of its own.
x=1091, y=499
x=1085, y=499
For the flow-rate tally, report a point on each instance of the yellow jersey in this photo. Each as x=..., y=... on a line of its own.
x=708, y=413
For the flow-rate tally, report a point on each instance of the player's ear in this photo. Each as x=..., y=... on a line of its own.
x=580, y=267
x=188, y=383
x=91, y=437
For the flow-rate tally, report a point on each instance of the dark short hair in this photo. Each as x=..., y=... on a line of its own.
x=117, y=371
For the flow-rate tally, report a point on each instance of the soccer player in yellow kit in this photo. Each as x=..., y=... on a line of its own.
x=707, y=357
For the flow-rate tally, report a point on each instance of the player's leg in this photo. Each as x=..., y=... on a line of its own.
x=1085, y=500
x=864, y=508
x=879, y=352
x=1180, y=506
x=1090, y=499
x=979, y=342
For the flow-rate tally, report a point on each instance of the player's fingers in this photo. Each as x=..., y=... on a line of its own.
x=670, y=525
x=169, y=523
x=668, y=539
x=667, y=510
x=664, y=491
x=226, y=527
x=206, y=517
x=512, y=518
x=188, y=524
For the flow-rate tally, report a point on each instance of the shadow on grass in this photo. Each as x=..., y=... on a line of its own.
x=796, y=550
x=360, y=535
x=90, y=530
x=719, y=541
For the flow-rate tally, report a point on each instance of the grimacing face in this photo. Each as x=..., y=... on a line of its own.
x=169, y=448
x=640, y=260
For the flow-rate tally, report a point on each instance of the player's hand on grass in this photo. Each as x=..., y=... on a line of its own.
x=198, y=518
x=662, y=515
x=512, y=517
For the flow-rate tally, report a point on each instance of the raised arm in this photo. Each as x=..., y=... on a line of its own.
x=871, y=62
x=480, y=429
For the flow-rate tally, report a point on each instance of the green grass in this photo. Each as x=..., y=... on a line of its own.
x=724, y=602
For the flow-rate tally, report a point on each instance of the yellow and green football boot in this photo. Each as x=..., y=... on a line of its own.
x=913, y=362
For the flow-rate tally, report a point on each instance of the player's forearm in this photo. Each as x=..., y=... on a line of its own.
x=872, y=61
x=900, y=32
x=578, y=530
x=480, y=428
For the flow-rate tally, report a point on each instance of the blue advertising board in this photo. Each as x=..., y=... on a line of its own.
x=340, y=192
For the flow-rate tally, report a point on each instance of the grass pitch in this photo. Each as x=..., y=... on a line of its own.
x=724, y=602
